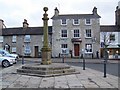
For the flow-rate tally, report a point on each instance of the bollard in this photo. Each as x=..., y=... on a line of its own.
x=83, y=64
x=104, y=68
x=63, y=58
x=22, y=59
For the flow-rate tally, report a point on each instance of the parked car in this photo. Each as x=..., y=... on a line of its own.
x=6, y=61
x=7, y=54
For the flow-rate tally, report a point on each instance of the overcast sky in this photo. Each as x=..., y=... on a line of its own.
x=13, y=12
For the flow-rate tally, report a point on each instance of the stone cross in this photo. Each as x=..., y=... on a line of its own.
x=46, y=50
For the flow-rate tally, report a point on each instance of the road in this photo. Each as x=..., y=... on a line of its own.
x=112, y=68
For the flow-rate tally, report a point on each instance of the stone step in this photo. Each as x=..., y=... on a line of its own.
x=45, y=72
x=44, y=68
x=53, y=69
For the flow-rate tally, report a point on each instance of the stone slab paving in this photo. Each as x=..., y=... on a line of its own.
x=61, y=82
x=47, y=82
x=88, y=78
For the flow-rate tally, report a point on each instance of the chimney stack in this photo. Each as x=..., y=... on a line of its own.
x=56, y=12
x=25, y=24
x=94, y=11
x=117, y=14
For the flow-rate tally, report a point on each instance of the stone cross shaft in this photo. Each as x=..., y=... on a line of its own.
x=46, y=51
x=45, y=28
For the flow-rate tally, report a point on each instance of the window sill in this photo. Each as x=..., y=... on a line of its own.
x=88, y=37
x=88, y=52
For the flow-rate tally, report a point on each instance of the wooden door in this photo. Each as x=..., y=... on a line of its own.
x=76, y=49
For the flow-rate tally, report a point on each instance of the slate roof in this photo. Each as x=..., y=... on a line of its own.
x=25, y=31
x=109, y=28
x=75, y=16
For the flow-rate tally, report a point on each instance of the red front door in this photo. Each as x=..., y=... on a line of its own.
x=76, y=49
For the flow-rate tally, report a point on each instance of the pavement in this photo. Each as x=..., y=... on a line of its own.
x=87, y=79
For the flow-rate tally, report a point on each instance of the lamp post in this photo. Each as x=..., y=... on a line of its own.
x=105, y=55
x=23, y=52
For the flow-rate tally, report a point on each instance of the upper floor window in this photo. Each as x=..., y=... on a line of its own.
x=64, y=22
x=1, y=38
x=64, y=33
x=76, y=33
x=76, y=21
x=88, y=21
x=27, y=38
x=14, y=38
x=88, y=48
x=88, y=33
x=112, y=37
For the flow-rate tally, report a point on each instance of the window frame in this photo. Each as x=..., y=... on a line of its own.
x=1, y=39
x=76, y=34
x=64, y=49
x=63, y=21
x=88, y=33
x=74, y=22
x=14, y=38
x=86, y=21
x=14, y=49
x=27, y=38
x=27, y=48
x=88, y=50
x=64, y=33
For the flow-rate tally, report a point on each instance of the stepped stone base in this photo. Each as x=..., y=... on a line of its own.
x=54, y=69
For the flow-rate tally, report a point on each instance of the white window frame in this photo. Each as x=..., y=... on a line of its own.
x=14, y=49
x=89, y=21
x=27, y=49
x=27, y=38
x=64, y=49
x=78, y=33
x=86, y=33
x=14, y=38
x=1, y=38
x=62, y=34
x=88, y=48
x=64, y=23
x=74, y=22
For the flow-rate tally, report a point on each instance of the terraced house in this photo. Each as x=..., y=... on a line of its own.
x=75, y=34
x=25, y=40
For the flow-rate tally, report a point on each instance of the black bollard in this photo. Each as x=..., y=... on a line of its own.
x=83, y=63
x=104, y=68
x=22, y=59
x=63, y=58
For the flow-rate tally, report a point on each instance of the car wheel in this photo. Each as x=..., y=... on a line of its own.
x=5, y=63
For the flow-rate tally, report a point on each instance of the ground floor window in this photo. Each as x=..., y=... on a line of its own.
x=13, y=49
x=64, y=49
x=88, y=48
x=27, y=50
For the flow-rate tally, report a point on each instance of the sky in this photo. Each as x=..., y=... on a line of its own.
x=13, y=12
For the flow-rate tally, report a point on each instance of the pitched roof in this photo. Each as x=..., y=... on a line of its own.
x=25, y=31
x=75, y=16
x=109, y=28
